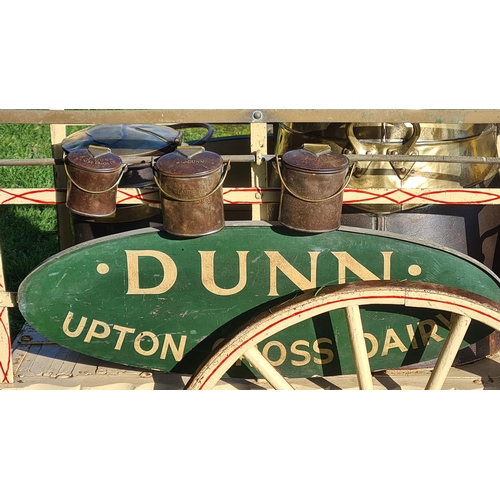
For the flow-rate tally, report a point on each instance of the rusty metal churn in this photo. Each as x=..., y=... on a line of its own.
x=93, y=177
x=312, y=185
x=190, y=182
x=138, y=145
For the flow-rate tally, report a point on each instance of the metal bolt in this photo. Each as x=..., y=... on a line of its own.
x=347, y=151
x=257, y=115
x=258, y=196
x=358, y=170
x=394, y=152
x=369, y=153
x=402, y=170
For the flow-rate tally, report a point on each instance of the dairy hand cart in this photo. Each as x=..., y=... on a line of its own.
x=331, y=249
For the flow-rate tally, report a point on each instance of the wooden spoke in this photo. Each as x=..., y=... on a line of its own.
x=267, y=370
x=358, y=345
x=458, y=329
x=464, y=306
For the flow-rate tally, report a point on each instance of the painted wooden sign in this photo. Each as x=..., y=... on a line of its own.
x=148, y=299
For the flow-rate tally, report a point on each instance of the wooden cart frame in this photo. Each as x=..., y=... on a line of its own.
x=258, y=195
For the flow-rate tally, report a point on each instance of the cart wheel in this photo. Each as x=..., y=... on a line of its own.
x=464, y=306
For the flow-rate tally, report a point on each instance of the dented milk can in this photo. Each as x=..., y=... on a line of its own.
x=312, y=184
x=190, y=181
x=93, y=176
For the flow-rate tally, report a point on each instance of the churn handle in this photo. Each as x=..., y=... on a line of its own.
x=124, y=169
x=359, y=149
x=340, y=190
x=219, y=184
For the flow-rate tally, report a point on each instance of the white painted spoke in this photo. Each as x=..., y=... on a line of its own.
x=458, y=329
x=464, y=307
x=358, y=345
x=266, y=369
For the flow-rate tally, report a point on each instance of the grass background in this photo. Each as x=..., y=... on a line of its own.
x=29, y=233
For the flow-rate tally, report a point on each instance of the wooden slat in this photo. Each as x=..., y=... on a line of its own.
x=43, y=361
x=68, y=365
x=165, y=116
x=85, y=366
x=58, y=362
x=19, y=353
x=25, y=370
x=7, y=299
x=259, y=196
x=258, y=147
x=66, y=238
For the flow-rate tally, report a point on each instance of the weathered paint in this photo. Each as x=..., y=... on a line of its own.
x=6, y=373
x=153, y=300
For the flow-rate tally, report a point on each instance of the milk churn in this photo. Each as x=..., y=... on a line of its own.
x=395, y=139
x=312, y=184
x=93, y=177
x=470, y=229
x=138, y=145
x=190, y=182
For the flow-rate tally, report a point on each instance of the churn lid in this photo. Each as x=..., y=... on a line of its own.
x=189, y=161
x=125, y=140
x=95, y=159
x=317, y=158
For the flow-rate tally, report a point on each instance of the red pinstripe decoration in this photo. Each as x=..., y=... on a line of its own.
x=388, y=297
x=270, y=195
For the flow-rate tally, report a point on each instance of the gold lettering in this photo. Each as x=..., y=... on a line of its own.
x=207, y=273
x=392, y=341
x=327, y=352
x=304, y=354
x=277, y=261
x=79, y=328
x=123, y=331
x=411, y=336
x=387, y=264
x=346, y=261
x=282, y=349
x=177, y=352
x=374, y=343
x=106, y=330
x=169, y=272
x=446, y=322
x=142, y=336
x=430, y=332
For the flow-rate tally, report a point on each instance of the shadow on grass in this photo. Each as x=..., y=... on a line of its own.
x=28, y=236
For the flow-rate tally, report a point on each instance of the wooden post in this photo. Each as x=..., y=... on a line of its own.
x=258, y=146
x=6, y=373
x=66, y=239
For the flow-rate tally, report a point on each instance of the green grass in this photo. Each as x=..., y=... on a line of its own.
x=29, y=233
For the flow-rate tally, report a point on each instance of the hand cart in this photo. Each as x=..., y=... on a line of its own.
x=258, y=305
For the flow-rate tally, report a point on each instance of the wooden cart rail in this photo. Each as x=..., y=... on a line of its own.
x=258, y=194
x=265, y=196
x=87, y=117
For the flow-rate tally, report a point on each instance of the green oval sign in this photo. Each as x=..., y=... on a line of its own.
x=151, y=300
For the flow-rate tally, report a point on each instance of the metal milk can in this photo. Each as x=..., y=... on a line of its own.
x=138, y=145
x=93, y=177
x=312, y=184
x=190, y=182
